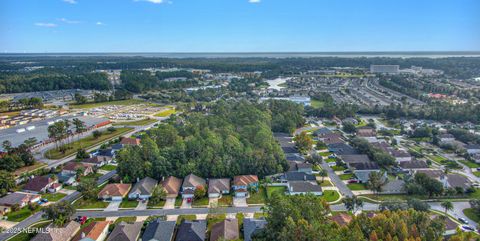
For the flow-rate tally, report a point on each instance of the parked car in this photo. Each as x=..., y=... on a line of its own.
x=353, y=181
x=347, y=171
x=463, y=220
x=44, y=200
x=81, y=219
x=467, y=228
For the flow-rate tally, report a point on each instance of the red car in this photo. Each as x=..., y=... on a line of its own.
x=81, y=219
x=189, y=200
x=353, y=181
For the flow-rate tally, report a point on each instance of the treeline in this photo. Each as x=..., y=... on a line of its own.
x=307, y=218
x=16, y=157
x=232, y=139
x=138, y=81
x=330, y=108
x=51, y=79
x=286, y=115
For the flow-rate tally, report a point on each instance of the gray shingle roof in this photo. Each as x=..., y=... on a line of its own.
x=304, y=187
x=252, y=226
x=126, y=232
x=299, y=176
x=193, y=181
x=159, y=230
x=144, y=186
x=355, y=158
x=191, y=231
x=218, y=185
x=364, y=165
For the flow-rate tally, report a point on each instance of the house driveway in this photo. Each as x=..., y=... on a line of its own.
x=66, y=191
x=186, y=204
x=213, y=201
x=142, y=205
x=7, y=224
x=113, y=206
x=169, y=203
x=240, y=202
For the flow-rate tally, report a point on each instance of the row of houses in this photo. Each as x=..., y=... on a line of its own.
x=173, y=186
x=157, y=230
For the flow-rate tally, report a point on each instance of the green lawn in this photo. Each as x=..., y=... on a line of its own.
x=85, y=143
x=475, y=194
x=325, y=153
x=200, y=202
x=188, y=217
x=26, y=236
x=90, y=176
x=178, y=201
x=317, y=103
x=125, y=219
x=21, y=214
x=128, y=203
x=470, y=213
x=338, y=168
x=165, y=113
x=477, y=173
x=89, y=204
x=158, y=205
x=258, y=215
x=437, y=158
x=108, y=168
x=53, y=197
x=330, y=195
x=346, y=176
x=117, y=102
x=469, y=164
x=331, y=160
x=280, y=190
x=325, y=183
x=143, y=122
x=356, y=186
x=258, y=197
x=226, y=200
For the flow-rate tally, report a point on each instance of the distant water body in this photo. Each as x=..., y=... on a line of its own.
x=265, y=55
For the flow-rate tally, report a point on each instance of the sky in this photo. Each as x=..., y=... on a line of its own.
x=39, y=26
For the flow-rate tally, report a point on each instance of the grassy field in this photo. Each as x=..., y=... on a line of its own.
x=53, y=197
x=280, y=190
x=26, y=236
x=257, y=198
x=470, y=213
x=125, y=219
x=330, y=195
x=143, y=122
x=477, y=173
x=346, y=176
x=129, y=203
x=117, y=102
x=89, y=204
x=86, y=143
x=317, y=103
x=469, y=164
x=325, y=183
x=438, y=159
x=108, y=167
x=200, y=202
x=356, y=186
x=21, y=214
x=166, y=113
x=338, y=168
x=226, y=200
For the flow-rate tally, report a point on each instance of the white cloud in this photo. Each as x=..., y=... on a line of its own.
x=99, y=23
x=253, y=1
x=152, y=1
x=70, y=1
x=46, y=25
x=68, y=21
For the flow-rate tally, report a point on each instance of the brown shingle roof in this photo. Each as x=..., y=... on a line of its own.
x=244, y=180
x=226, y=229
x=59, y=234
x=17, y=198
x=342, y=219
x=37, y=183
x=193, y=181
x=93, y=230
x=218, y=185
x=115, y=190
x=172, y=185
x=130, y=141
x=73, y=166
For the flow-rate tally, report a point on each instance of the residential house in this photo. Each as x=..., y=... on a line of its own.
x=355, y=158
x=242, y=183
x=446, y=138
x=303, y=187
x=72, y=167
x=362, y=170
x=65, y=233
x=143, y=189
x=330, y=136
x=96, y=231
x=192, y=231
x=172, y=186
x=130, y=141
x=225, y=230
x=297, y=176
x=218, y=186
x=394, y=187
x=472, y=149
x=19, y=198
x=39, y=184
x=304, y=167
x=367, y=133
x=98, y=161
x=294, y=157
x=400, y=155
x=68, y=179
x=190, y=184
x=411, y=165
x=350, y=120
x=334, y=140
x=322, y=131
x=117, y=147
x=252, y=226
x=451, y=180
x=342, y=219
x=55, y=187
x=126, y=232
x=342, y=149
x=286, y=143
x=114, y=192
x=106, y=152
x=159, y=230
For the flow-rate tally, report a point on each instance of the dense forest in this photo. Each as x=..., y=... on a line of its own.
x=231, y=139
x=138, y=81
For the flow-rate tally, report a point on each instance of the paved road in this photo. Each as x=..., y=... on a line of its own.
x=342, y=187
x=38, y=216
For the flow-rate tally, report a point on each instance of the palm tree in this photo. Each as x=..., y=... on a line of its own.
x=447, y=205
